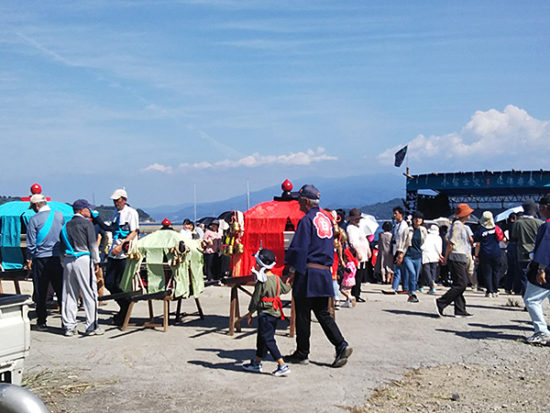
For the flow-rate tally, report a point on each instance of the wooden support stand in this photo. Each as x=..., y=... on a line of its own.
x=179, y=315
x=164, y=296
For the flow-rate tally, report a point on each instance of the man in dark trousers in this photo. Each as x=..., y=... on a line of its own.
x=524, y=233
x=125, y=228
x=310, y=257
x=43, y=255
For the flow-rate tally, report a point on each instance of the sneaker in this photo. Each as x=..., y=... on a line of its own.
x=438, y=309
x=97, y=332
x=402, y=292
x=295, y=358
x=389, y=292
x=360, y=300
x=253, y=366
x=342, y=356
x=42, y=327
x=538, y=338
x=432, y=291
x=465, y=315
x=70, y=333
x=421, y=289
x=412, y=299
x=346, y=305
x=282, y=369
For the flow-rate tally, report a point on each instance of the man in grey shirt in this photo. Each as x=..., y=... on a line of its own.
x=80, y=255
x=523, y=234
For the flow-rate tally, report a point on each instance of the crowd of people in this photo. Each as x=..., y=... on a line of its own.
x=412, y=255
x=66, y=256
x=328, y=260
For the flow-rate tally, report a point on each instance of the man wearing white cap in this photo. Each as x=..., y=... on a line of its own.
x=125, y=227
x=43, y=254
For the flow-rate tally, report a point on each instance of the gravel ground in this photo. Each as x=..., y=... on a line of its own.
x=405, y=359
x=517, y=386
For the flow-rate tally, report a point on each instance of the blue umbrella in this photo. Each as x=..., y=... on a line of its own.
x=11, y=215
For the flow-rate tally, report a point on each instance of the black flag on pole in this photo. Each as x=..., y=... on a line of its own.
x=400, y=156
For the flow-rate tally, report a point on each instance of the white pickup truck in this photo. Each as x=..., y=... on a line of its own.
x=15, y=336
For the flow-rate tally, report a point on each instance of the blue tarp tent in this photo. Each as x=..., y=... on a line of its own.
x=11, y=215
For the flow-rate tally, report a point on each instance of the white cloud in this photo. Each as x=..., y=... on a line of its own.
x=156, y=167
x=253, y=161
x=491, y=139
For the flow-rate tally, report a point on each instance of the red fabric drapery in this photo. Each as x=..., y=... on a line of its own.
x=266, y=222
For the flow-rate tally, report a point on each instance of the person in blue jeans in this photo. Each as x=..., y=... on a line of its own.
x=398, y=238
x=538, y=277
x=411, y=251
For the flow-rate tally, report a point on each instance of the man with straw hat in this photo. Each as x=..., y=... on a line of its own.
x=455, y=257
x=488, y=253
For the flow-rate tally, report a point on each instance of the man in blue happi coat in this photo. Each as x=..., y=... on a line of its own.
x=310, y=258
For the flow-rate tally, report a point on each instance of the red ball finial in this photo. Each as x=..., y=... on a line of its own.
x=287, y=186
x=36, y=189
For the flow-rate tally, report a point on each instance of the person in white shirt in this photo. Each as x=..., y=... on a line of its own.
x=432, y=250
x=358, y=240
x=189, y=231
x=125, y=228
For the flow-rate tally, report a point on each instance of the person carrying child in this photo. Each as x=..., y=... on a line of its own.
x=266, y=301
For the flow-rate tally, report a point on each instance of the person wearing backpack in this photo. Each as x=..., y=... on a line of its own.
x=488, y=253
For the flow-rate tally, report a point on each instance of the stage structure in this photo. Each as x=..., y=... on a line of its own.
x=438, y=193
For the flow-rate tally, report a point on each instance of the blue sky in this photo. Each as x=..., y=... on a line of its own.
x=160, y=97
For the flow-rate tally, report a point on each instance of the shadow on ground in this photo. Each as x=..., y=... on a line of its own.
x=501, y=326
x=235, y=357
x=483, y=334
x=416, y=313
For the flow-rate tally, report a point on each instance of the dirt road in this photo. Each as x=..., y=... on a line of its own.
x=196, y=366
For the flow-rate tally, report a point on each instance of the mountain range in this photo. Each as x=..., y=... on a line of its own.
x=348, y=192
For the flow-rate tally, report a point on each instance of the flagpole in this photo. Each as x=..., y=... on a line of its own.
x=247, y=194
x=194, y=202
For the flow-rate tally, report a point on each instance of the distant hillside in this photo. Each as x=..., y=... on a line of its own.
x=106, y=212
x=4, y=199
x=382, y=210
